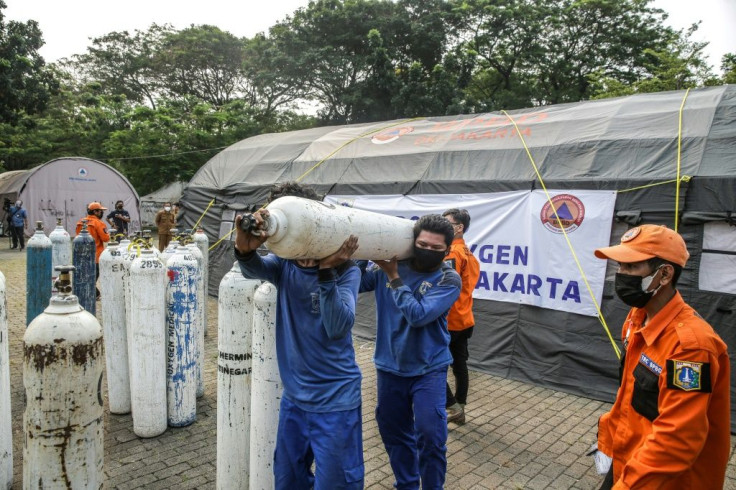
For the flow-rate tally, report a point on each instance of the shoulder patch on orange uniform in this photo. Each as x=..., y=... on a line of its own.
x=688, y=375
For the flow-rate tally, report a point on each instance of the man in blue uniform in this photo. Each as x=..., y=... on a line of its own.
x=412, y=353
x=18, y=222
x=320, y=413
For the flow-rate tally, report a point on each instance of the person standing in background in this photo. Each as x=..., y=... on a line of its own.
x=460, y=321
x=165, y=221
x=18, y=222
x=96, y=228
x=119, y=218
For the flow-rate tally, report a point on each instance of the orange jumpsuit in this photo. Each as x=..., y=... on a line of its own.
x=669, y=427
x=460, y=316
x=98, y=231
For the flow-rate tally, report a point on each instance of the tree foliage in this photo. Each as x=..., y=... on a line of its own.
x=158, y=103
x=25, y=84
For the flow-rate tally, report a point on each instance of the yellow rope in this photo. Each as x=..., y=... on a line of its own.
x=679, y=156
x=194, y=228
x=684, y=178
x=569, y=243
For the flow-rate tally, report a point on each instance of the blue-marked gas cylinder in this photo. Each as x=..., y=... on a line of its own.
x=83, y=258
x=201, y=306
x=6, y=425
x=61, y=249
x=148, y=341
x=112, y=272
x=265, y=399
x=38, y=273
x=181, y=350
x=234, y=325
x=62, y=375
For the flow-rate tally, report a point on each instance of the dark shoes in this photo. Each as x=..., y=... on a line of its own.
x=456, y=413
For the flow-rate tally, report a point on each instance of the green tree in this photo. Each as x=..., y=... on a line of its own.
x=204, y=62
x=728, y=66
x=123, y=64
x=25, y=83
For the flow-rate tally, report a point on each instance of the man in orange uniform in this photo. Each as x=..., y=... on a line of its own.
x=669, y=427
x=98, y=231
x=460, y=321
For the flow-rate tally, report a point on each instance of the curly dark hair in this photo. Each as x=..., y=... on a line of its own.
x=293, y=189
x=435, y=223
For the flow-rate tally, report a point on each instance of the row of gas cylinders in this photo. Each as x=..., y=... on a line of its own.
x=153, y=313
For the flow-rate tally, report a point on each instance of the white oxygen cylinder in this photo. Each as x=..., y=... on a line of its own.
x=112, y=286
x=62, y=374
x=148, y=345
x=199, y=325
x=6, y=432
x=181, y=324
x=301, y=228
x=203, y=243
x=129, y=255
x=266, y=389
x=61, y=249
x=234, y=324
x=171, y=247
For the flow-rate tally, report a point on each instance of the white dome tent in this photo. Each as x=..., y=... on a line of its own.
x=63, y=187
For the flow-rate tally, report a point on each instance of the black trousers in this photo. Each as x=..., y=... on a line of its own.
x=459, y=351
x=17, y=233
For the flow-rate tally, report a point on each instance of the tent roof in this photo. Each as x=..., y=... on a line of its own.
x=170, y=192
x=14, y=181
x=11, y=182
x=610, y=143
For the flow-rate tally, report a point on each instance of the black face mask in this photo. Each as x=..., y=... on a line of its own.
x=632, y=289
x=426, y=260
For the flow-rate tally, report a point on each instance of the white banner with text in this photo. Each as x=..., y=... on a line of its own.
x=523, y=254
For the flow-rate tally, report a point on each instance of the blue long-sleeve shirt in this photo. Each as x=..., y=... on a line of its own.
x=411, y=320
x=315, y=313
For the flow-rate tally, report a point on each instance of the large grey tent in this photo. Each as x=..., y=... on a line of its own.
x=62, y=188
x=153, y=202
x=623, y=144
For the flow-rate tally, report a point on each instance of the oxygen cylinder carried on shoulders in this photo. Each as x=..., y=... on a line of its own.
x=38, y=273
x=148, y=340
x=299, y=228
x=62, y=376
x=6, y=424
x=234, y=325
x=112, y=284
x=61, y=249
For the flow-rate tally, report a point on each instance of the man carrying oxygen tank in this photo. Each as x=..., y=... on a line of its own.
x=320, y=413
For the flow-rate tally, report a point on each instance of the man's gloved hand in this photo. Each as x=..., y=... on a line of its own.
x=602, y=461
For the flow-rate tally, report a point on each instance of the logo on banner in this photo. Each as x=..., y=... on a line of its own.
x=82, y=172
x=391, y=135
x=569, y=208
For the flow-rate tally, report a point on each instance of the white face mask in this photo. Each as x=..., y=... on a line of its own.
x=167, y=208
x=17, y=204
x=647, y=281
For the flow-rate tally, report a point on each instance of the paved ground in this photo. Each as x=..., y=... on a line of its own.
x=517, y=436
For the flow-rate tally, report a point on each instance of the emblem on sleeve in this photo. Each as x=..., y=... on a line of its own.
x=688, y=376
